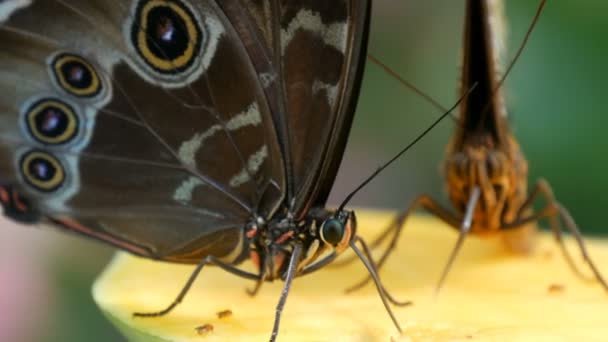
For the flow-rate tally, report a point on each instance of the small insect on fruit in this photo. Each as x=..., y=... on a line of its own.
x=204, y=329
x=486, y=172
x=224, y=314
x=556, y=288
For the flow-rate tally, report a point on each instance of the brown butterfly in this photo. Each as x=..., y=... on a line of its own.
x=486, y=171
x=203, y=132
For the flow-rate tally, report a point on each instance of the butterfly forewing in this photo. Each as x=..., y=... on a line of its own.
x=483, y=111
x=314, y=86
x=321, y=77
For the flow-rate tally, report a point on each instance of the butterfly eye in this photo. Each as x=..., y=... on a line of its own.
x=42, y=171
x=75, y=75
x=166, y=35
x=51, y=121
x=332, y=231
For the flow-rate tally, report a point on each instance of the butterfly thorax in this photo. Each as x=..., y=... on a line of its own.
x=320, y=233
x=499, y=170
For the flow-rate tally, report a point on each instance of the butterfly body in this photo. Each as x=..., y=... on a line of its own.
x=191, y=131
x=500, y=173
x=485, y=169
x=483, y=152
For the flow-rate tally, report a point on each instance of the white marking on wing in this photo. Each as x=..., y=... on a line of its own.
x=8, y=7
x=188, y=149
x=498, y=34
x=333, y=34
x=267, y=78
x=216, y=30
x=253, y=165
x=250, y=117
x=331, y=90
x=184, y=192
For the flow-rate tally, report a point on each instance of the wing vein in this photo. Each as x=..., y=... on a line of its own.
x=171, y=150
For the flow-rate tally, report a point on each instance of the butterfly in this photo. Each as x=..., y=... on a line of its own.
x=485, y=169
x=190, y=131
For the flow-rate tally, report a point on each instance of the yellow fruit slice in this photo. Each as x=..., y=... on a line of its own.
x=490, y=295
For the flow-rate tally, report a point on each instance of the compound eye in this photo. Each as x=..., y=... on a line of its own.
x=332, y=231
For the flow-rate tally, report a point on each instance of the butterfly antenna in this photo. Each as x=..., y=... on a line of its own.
x=405, y=149
x=405, y=83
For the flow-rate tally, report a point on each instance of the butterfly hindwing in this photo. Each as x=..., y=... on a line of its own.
x=161, y=157
x=170, y=120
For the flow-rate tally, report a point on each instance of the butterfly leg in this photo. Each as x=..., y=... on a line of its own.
x=555, y=212
x=264, y=267
x=543, y=189
x=211, y=260
x=368, y=255
x=422, y=202
x=319, y=264
x=374, y=275
x=573, y=228
x=291, y=273
x=258, y=285
x=393, y=229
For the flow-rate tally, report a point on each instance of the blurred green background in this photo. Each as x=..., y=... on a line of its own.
x=555, y=95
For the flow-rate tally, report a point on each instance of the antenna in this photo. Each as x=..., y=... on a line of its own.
x=405, y=149
x=434, y=102
x=406, y=83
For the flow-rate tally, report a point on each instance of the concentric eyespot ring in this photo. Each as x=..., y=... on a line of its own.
x=42, y=171
x=51, y=121
x=166, y=35
x=75, y=75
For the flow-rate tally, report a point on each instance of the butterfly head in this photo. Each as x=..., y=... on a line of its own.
x=337, y=230
x=501, y=175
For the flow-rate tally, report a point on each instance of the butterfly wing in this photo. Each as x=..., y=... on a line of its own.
x=483, y=111
x=141, y=123
x=318, y=48
x=323, y=47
